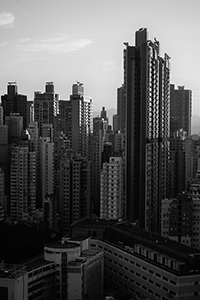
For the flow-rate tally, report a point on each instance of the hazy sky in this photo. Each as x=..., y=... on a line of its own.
x=68, y=40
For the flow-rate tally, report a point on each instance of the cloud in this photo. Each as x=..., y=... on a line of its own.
x=105, y=66
x=60, y=44
x=7, y=19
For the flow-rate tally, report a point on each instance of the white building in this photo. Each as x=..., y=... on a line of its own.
x=112, y=189
x=68, y=270
x=79, y=269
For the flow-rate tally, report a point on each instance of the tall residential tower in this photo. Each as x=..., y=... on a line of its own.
x=180, y=109
x=147, y=87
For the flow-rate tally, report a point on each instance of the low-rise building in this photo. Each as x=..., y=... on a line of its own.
x=67, y=270
x=142, y=265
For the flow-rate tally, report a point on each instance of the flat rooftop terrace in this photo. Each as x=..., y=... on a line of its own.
x=62, y=245
x=86, y=222
x=152, y=240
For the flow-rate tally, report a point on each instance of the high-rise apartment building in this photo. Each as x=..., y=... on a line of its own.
x=104, y=114
x=176, y=221
x=64, y=117
x=95, y=156
x=22, y=183
x=180, y=109
x=2, y=195
x=15, y=127
x=45, y=106
x=147, y=87
x=116, y=123
x=180, y=217
x=181, y=157
x=13, y=102
x=46, y=169
x=74, y=191
x=35, y=146
x=80, y=120
x=5, y=158
x=1, y=115
x=121, y=108
x=112, y=189
x=75, y=119
x=30, y=112
x=3, y=144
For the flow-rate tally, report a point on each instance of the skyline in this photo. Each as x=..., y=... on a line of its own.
x=69, y=41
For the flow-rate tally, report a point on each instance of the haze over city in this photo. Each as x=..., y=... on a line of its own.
x=65, y=41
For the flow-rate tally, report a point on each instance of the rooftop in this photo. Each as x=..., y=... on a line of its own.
x=155, y=241
x=62, y=245
x=94, y=223
x=36, y=263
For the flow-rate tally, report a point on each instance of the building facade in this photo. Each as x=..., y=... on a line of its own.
x=13, y=102
x=74, y=191
x=112, y=198
x=45, y=106
x=22, y=184
x=180, y=109
x=80, y=121
x=121, y=109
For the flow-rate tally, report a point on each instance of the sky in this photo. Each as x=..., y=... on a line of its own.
x=65, y=41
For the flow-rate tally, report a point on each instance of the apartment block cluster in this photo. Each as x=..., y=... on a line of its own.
x=125, y=197
x=55, y=157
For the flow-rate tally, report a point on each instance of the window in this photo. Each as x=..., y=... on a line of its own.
x=151, y=281
x=165, y=289
x=165, y=278
x=143, y=277
x=137, y=265
x=137, y=283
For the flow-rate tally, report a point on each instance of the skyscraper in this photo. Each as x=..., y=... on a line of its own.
x=80, y=120
x=181, y=158
x=13, y=102
x=96, y=147
x=2, y=195
x=180, y=109
x=146, y=84
x=112, y=189
x=74, y=191
x=64, y=117
x=22, y=182
x=15, y=127
x=45, y=106
x=46, y=168
x=121, y=108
